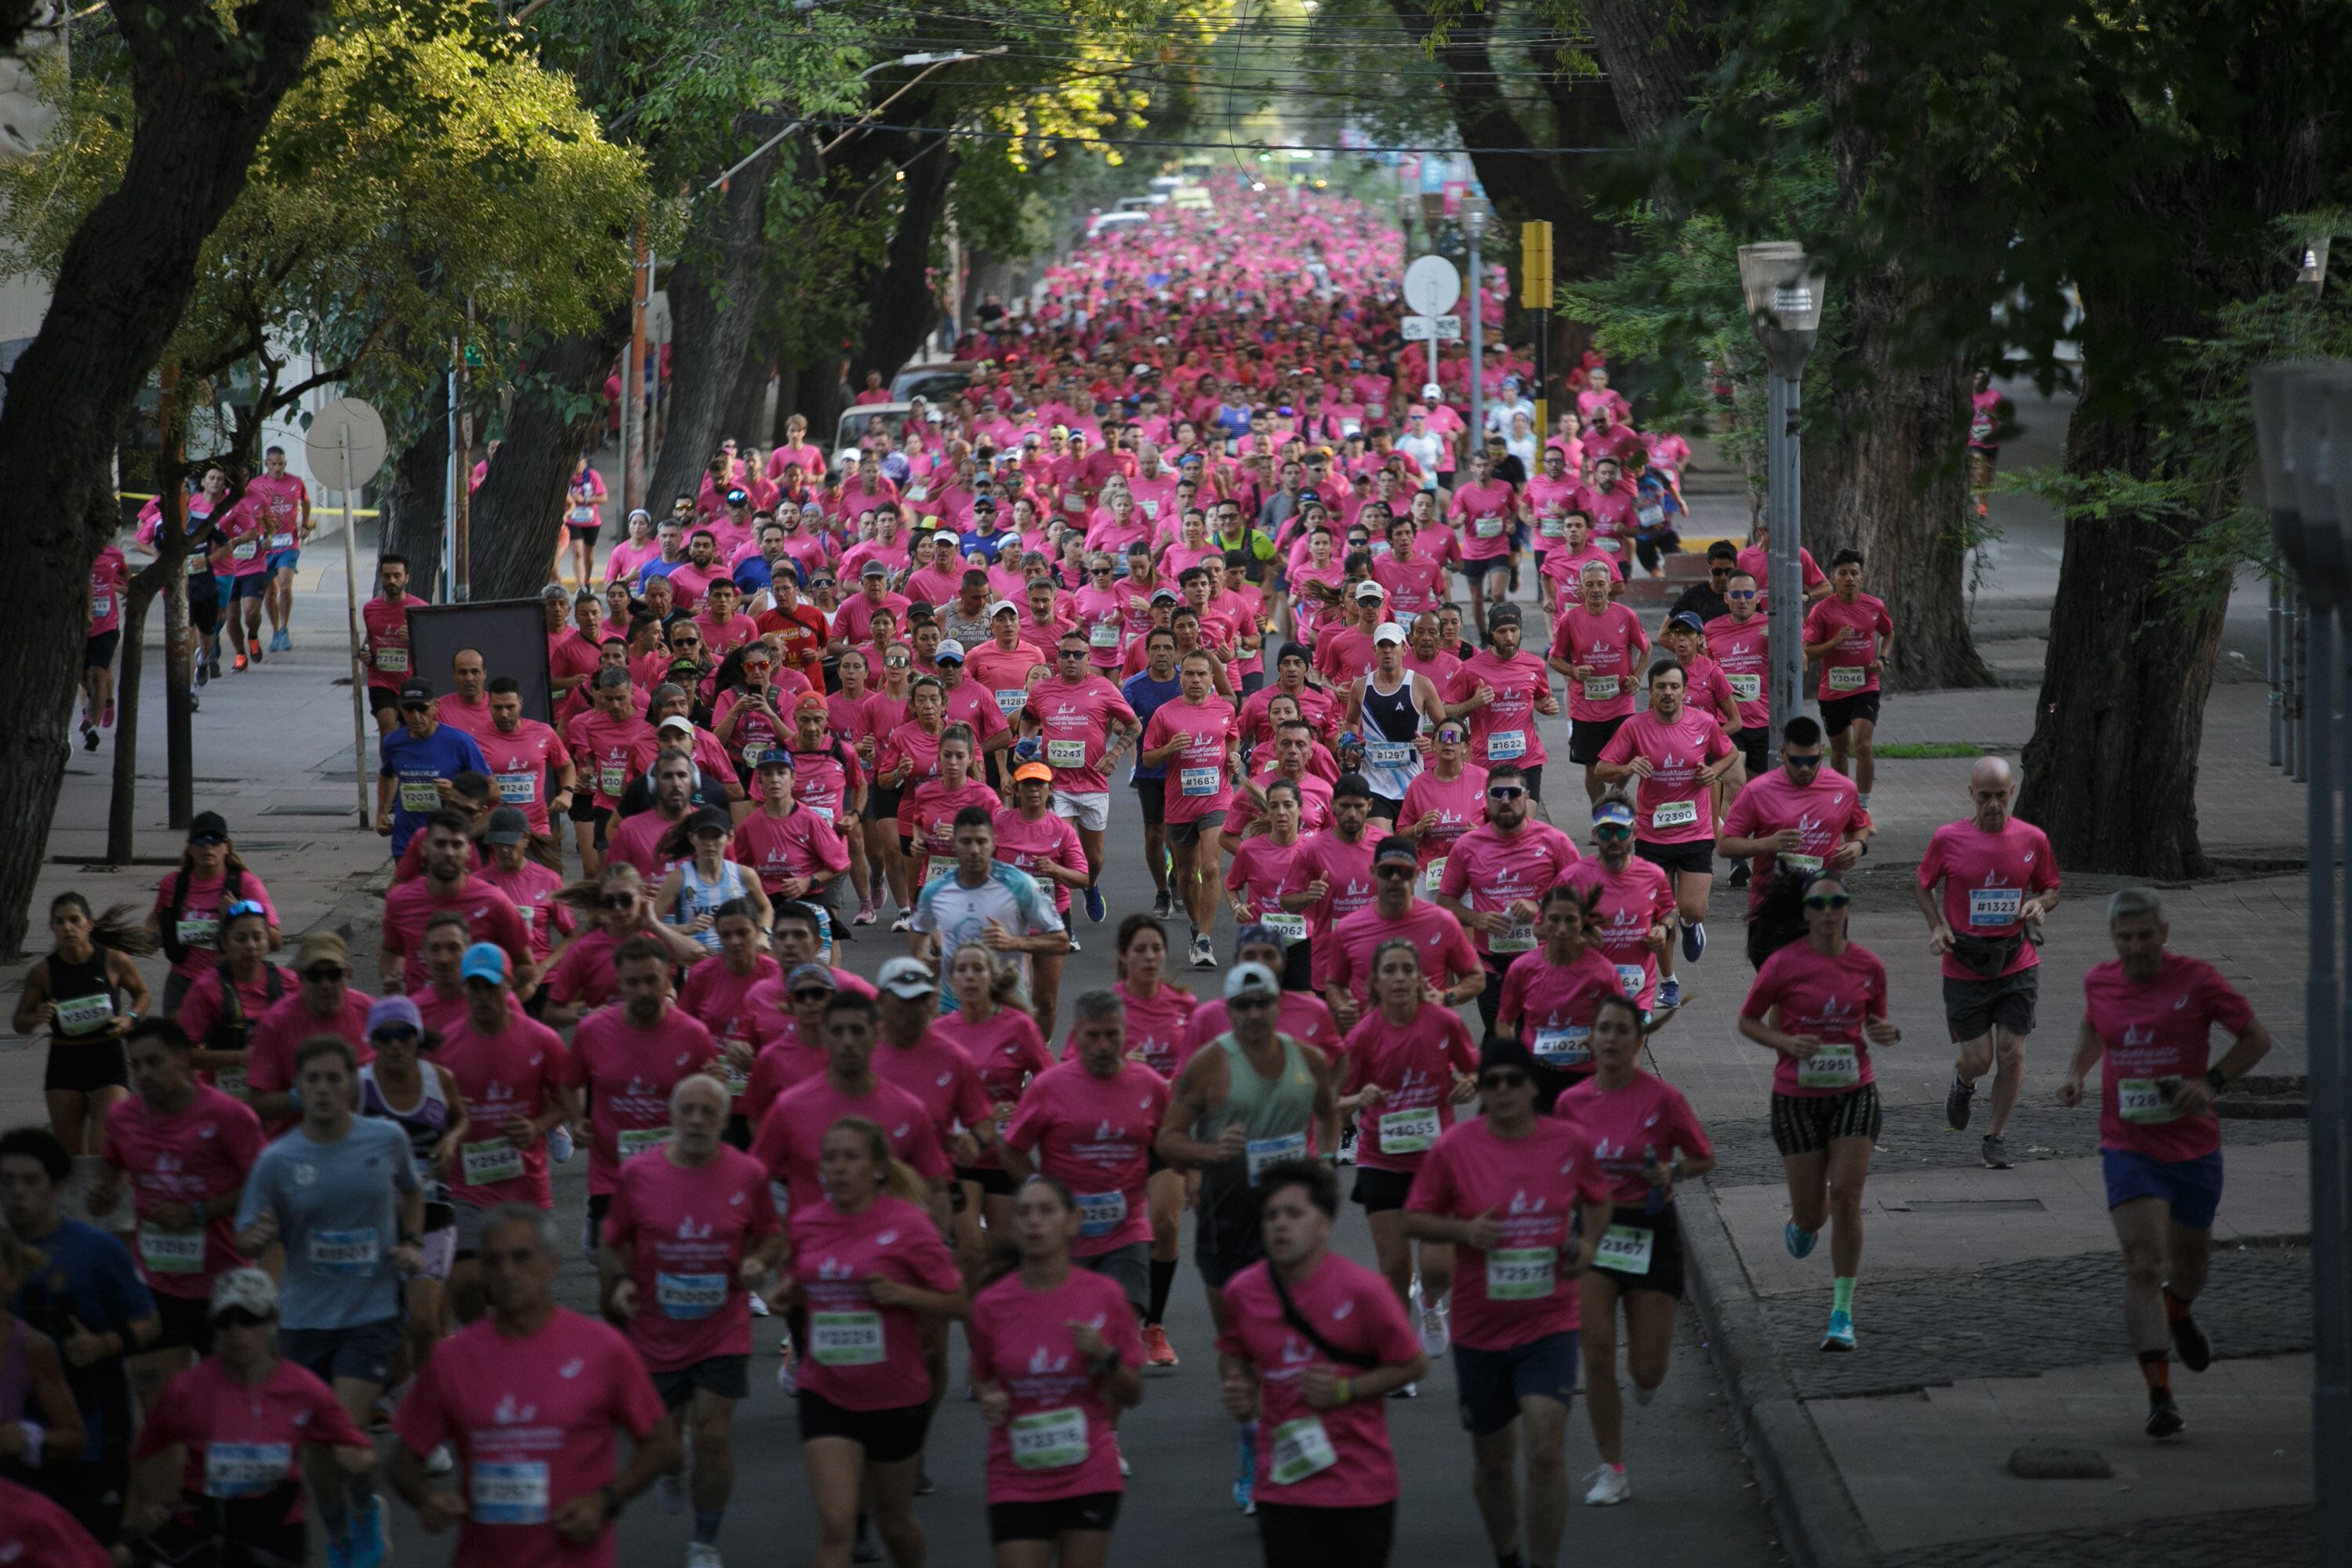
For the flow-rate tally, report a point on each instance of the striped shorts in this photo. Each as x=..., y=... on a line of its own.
x=1805, y=1123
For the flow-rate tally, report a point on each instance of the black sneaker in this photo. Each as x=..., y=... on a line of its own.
x=1739, y=874
x=1957, y=1100
x=1996, y=1152
x=2163, y=1414
x=2189, y=1342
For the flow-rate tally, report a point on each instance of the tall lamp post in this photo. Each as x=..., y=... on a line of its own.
x=2302, y=427
x=1478, y=215
x=1784, y=306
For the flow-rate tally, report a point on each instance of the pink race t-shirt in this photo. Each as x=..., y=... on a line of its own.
x=1742, y=650
x=1415, y=1064
x=1503, y=731
x=1032, y=843
x=1672, y=804
x=862, y=1355
x=200, y=915
x=1198, y=781
x=1076, y=718
x=1443, y=810
x=1858, y=628
x=1445, y=951
x=721, y=1000
x=243, y=1440
x=790, y=1138
x=1630, y=902
x=1646, y=1117
x=1007, y=1050
x=1610, y=645
x=201, y=1153
x=1987, y=878
x=1307, y=1457
x=936, y=1070
x=531, y=1419
x=1823, y=813
x=628, y=1072
x=512, y=1075
x=1826, y=998
x=1489, y=870
x=2152, y=1033
x=1550, y=1006
x=1059, y=1440
x=1483, y=514
x=689, y=1228
x=1095, y=1136
x=1516, y=1294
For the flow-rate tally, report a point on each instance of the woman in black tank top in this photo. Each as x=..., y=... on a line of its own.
x=78, y=992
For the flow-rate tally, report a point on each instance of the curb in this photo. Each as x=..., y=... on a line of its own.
x=1820, y=1526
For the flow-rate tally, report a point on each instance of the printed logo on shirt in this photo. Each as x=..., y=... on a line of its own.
x=571, y=1369
x=885, y=1238
x=689, y=1231
x=1041, y=1365
x=510, y=1414
x=1522, y=1203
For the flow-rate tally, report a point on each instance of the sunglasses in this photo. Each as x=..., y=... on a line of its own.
x=1394, y=868
x=207, y=840
x=1511, y=1078
x=397, y=1032
x=1828, y=900
x=1504, y=791
x=686, y=642
x=243, y=907
x=618, y=902
x=813, y=993
x=238, y=1318
x=1249, y=1004
x=1612, y=830
x=324, y=974
x=1719, y=571
x=1740, y=595
x=1806, y=764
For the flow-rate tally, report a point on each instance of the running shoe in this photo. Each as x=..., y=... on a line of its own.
x=1739, y=874
x=1095, y=909
x=558, y=1144
x=106, y=715
x=1204, y=954
x=1410, y=1391
x=1163, y=905
x=864, y=1548
x=1995, y=1150
x=702, y=1554
x=1347, y=1155
x=787, y=1378
x=252, y=647
x=239, y=665
x=1694, y=940
x=203, y=670
x=1643, y=1396
x=1610, y=1488
x=2189, y=1342
x=1958, y=1101
x=906, y=921
x=2163, y=1414
x=1157, y=1351
x=279, y=642
x=370, y=1544
x=1126, y=1470
x=864, y=915
x=1437, y=1328
x=758, y=1305
x=671, y=1492
x=195, y=704
x=1670, y=993
x=90, y=736
x=1839, y=1336
x=1799, y=1243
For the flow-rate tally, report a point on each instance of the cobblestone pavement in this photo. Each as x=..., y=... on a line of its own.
x=2244, y=1538
x=2024, y=1318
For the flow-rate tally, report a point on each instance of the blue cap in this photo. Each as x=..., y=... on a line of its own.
x=484, y=960
x=1612, y=811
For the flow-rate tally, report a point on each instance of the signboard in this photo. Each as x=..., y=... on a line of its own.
x=1422, y=328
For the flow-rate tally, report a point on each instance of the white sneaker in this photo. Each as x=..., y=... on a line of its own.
x=1204, y=953
x=1610, y=1487
x=698, y=1556
x=758, y=1305
x=1437, y=1329
x=1125, y=1470
x=786, y=1379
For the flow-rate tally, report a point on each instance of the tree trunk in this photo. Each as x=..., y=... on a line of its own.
x=716, y=288
x=745, y=418
x=1654, y=52
x=203, y=95
x=415, y=499
x=901, y=310
x=520, y=507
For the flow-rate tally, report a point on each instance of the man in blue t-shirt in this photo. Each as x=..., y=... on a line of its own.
x=88, y=1296
x=1144, y=690
x=420, y=759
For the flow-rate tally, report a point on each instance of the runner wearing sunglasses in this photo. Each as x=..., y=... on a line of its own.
x=1496, y=879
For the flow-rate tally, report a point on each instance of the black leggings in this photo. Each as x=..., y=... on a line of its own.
x=1326, y=1537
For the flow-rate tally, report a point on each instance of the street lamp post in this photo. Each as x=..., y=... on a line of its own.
x=1784, y=306
x=2302, y=427
x=1477, y=213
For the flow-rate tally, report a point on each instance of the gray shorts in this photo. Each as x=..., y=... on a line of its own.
x=365, y=1352
x=1128, y=1267
x=1971, y=1008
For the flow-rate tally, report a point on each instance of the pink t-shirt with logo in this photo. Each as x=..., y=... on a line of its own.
x=514, y=1075
x=2154, y=1033
x=1483, y=514
x=1199, y=782
x=1460, y=805
x=1095, y=1136
x=1742, y=650
x=1352, y=1308
x=1858, y=628
x=862, y=1355
x=936, y=1070
x=1006, y=1049
x=1489, y=870
x=1672, y=804
x=1076, y=718
x=531, y=1419
x=1629, y=902
x=1550, y=1006
x=1516, y=1294
x=690, y=1228
x=1829, y=997
x=1824, y=813
x=629, y=1072
x=1612, y=644
x=1504, y=731
x=1648, y=1116
x=1060, y=1441
x=790, y=1142
x=1445, y=946
x=1413, y=1064
x=243, y=1440
x=198, y=1155
x=1987, y=878
x=1032, y=845
x=1301, y=1015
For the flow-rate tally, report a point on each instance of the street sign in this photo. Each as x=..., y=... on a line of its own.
x=322, y=444
x=1432, y=287
x=1421, y=329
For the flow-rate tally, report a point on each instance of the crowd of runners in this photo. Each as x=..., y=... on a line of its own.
x=765, y=920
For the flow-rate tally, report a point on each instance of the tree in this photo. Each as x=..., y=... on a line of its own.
x=205, y=82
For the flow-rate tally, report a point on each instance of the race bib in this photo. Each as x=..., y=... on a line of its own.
x=1408, y=1131
x=1745, y=688
x=1197, y=782
x=1507, y=745
x=1520, y=1273
x=345, y=1252
x=1651, y=516
x=246, y=1470
x=1633, y=977
x=686, y=1297
x=1433, y=875
x=1265, y=1152
x=419, y=798
x=1301, y=1448
x=582, y=514
x=846, y=1339
x=513, y=1492
x=1011, y=699
x=1289, y=927
x=493, y=1161
x=636, y=1140
x=1568, y=1048
x=1150, y=510
x=1551, y=527
x=1847, y=676
x=1996, y=905
x=2142, y=1101
x=229, y=1080
x=919, y=492
x=1065, y=753
x=1804, y=865
x=281, y=542
x=245, y=550
x=1601, y=688
x=1389, y=754
x=1099, y=1213
x=938, y=866
x=392, y=661
x=199, y=564
x=1675, y=814
x=1074, y=503
x=516, y=789
x=1488, y=527
x=1049, y=1440
x=1103, y=635
x=735, y=1078
x=1519, y=938
x=612, y=777
x=1832, y=1067
x=1626, y=1248
x=1981, y=429
x=100, y=606
x=84, y=1014
x=171, y=1251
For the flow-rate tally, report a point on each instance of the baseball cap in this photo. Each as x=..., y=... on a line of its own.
x=806, y=975
x=1503, y=615
x=415, y=694
x=907, y=978
x=208, y=827
x=776, y=757
x=1387, y=632
x=681, y=722
x=1615, y=811
x=810, y=703
x=1003, y=607
x=243, y=1290
x=1251, y=980
x=1165, y=593
x=873, y=569
x=1368, y=590
x=1028, y=770
x=737, y=496
x=1257, y=932
x=323, y=947
x=1688, y=620
x=1396, y=846
x=951, y=651
x=484, y=960
x=508, y=825
x=710, y=819
x=394, y=1013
